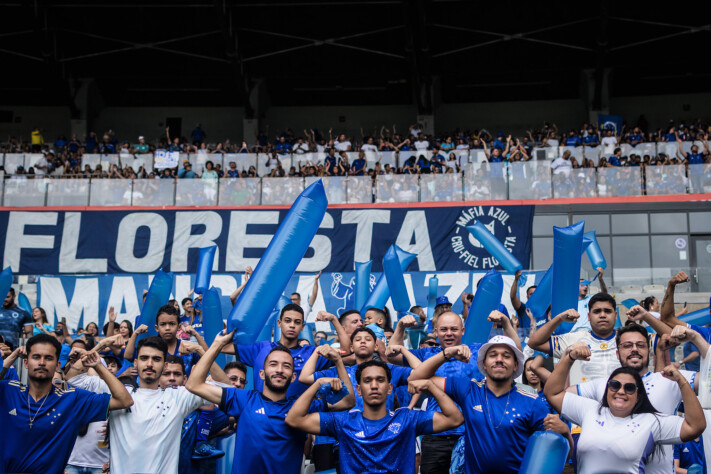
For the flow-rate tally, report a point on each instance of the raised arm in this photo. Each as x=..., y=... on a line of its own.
x=694, y=419
x=398, y=337
x=637, y=313
x=539, y=340
x=216, y=372
x=603, y=286
x=537, y=367
x=314, y=291
x=236, y=293
x=682, y=334
x=120, y=398
x=112, y=320
x=299, y=416
x=427, y=369
x=467, y=299
x=347, y=402
x=343, y=338
x=509, y=331
x=668, y=316
x=393, y=350
x=196, y=383
x=556, y=384
x=450, y=417
x=7, y=363
x=307, y=371
x=131, y=344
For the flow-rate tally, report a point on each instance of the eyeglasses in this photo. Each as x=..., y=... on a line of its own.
x=603, y=310
x=234, y=378
x=630, y=345
x=615, y=386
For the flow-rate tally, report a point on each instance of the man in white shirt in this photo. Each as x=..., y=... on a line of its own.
x=562, y=164
x=369, y=147
x=633, y=350
x=146, y=437
x=421, y=143
x=342, y=144
x=306, y=305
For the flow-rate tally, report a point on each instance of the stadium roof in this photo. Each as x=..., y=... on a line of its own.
x=331, y=52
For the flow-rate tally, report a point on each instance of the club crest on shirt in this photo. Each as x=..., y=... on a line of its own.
x=394, y=427
x=603, y=345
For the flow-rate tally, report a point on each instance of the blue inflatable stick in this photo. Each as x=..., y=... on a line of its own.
x=593, y=251
x=486, y=299
x=540, y=300
x=700, y=317
x=432, y=287
x=567, y=250
x=6, y=282
x=204, y=269
x=158, y=295
x=629, y=302
x=396, y=280
x=546, y=453
x=381, y=293
x=308, y=333
x=278, y=263
x=494, y=247
x=362, y=282
x=24, y=303
x=212, y=318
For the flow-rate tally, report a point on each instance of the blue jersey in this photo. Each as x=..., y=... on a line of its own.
x=692, y=365
x=451, y=368
x=11, y=372
x=189, y=359
x=188, y=434
x=384, y=445
x=56, y=421
x=254, y=355
x=505, y=421
x=398, y=378
x=614, y=160
x=691, y=452
x=12, y=322
x=358, y=167
x=572, y=141
x=266, y=443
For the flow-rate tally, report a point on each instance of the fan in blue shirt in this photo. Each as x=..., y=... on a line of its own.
x=496, y=413
x=376, y=439
x=291, y=322
x=266, y=443
x=43, y=421
x=691, y=452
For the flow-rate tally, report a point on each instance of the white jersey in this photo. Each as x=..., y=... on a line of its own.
x=603, y=358
x=90, y=450
x=610, y=444
x=664, y=395
x=146, y=436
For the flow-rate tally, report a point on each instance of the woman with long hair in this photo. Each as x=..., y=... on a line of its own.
x=41, y=325
x=623, y=431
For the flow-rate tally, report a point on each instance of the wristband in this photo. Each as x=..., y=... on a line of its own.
x=571, y=357
x=444, y=353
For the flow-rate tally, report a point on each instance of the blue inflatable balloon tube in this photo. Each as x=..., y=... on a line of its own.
x=597, y=259
x=158, y=295
x=494, y=247
x=540, y=300
x=486, y=299
x=24, y=303
x=700, y=317
x=381, y=293
x=432, y=288
x=567, y=249
x=266, y=333
x=204, y=269
x=546, y=452
x=5, y=282
x=396, y=280
x=362, y=282
x=278, y=263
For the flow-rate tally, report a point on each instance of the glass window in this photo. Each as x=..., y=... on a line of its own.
x=631, y=265
x=666, y=251
x=664, y=223
x=586, y=268
x=600, y=223
x=630, y=224
x=699, y=222
x=542, y=253
x=543, y=224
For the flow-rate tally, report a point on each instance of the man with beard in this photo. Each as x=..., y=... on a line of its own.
x=665, y=395
x=449, y=330
x=146, y=438
x=499, y=418
x=40, y=422
x=266, y=443
x=291, y=322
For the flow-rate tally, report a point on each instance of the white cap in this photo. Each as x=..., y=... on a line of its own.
x=497, y=341
x=141, y=137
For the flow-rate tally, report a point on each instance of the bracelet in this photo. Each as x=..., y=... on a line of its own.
x=686, y=382
x=571, y=357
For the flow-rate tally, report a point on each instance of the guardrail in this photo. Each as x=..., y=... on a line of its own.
x=477, y=182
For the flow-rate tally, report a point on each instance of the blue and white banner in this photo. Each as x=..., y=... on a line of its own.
x=87, y=299
x=142, y=241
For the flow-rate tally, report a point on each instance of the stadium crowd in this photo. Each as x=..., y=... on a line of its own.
x=372, y=398
x=330, y=154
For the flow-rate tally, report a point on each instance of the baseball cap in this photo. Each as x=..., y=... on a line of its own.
x=442, y=300
x=497, y=341
x=141, y=137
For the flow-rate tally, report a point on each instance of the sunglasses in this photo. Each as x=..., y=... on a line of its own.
x=615, y=386
x=235, y=378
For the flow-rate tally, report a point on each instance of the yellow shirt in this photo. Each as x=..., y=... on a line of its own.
x=37, y=138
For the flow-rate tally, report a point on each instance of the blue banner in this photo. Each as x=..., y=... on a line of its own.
x=610, y=122
x=84, y=299
x=130, y=242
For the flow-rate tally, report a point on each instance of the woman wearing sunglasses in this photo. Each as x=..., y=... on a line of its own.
x=623, y=431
